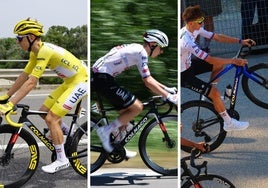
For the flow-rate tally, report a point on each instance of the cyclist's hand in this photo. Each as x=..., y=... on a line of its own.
x=239, y=61
x=171, y=90
x=248, y=42
x=4, y=99
x=173, y=98
x=5, y=108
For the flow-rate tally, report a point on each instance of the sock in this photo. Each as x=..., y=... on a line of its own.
x=64, y=128
x=112, y=126
x=225, y=116
x=60, y=152
x=115, y=124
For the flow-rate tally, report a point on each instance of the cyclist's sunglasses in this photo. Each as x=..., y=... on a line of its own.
x=20, y=37
x=200, y=20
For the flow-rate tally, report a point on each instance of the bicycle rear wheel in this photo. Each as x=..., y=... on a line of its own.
x=207, y=125
x=158, y=151
x=208, y=181
x=18, y=166
x=257, y=93
x=78, y=150
x=97, y=153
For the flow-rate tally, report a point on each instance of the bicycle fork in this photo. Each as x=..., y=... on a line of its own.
x=4, y=160
x=170, y=143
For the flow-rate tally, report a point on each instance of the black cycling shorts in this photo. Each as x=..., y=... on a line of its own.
x=118, y=96
x=190, y=80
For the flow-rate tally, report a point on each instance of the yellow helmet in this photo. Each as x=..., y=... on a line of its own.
x=29, y=26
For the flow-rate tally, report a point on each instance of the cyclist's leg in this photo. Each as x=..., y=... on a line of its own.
x=127, y=104
x=70, y=95
x=207, y=90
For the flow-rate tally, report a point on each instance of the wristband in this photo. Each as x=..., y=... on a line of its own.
x=240, y=41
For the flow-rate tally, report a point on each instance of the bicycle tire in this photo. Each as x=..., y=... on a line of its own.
x=256, y=92
x=97, y=153
x=208, y=181
x=153, y=148
x=209, y=128
x=78, y=150
x=19, y=168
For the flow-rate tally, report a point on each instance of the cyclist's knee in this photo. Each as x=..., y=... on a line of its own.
x=138, y=106
x=52, y=118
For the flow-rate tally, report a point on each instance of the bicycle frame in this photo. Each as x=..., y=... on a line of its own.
x=24, y=120
x=143, y=121
x=238, y=73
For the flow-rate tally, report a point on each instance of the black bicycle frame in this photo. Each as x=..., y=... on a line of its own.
x=24, y=119
x=153, y=110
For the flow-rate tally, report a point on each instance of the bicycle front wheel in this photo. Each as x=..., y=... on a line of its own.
x=158, y=147
x=257, y=93
x=78, y=150
x=208, y=181
x=18, y=165
x=206, y=124
x=97, y=153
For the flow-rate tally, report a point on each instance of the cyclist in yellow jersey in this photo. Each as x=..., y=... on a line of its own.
x=63, y=99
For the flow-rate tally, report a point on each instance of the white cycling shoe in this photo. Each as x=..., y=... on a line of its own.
x=235, y=125
x=56, y=166
x=104, y=135
x=130, y=154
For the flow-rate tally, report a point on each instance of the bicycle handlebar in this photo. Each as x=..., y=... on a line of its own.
x=158, y=101
x=243, y=51
x=9, y=121
x=195, y=153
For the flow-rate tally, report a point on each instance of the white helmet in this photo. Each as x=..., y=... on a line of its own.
x=154, y=35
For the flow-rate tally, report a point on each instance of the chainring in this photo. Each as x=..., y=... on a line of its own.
x=117, y=155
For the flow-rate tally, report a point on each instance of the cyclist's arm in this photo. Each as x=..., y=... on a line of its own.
x=224, y=61
x=155, y=86
x=18, y=83
x=224, y=38
x=227, y=39
x=24, y=89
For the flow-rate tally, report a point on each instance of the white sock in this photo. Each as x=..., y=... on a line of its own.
x=60, y=152
x=65, y=128
x=112, y=126
x=115, y=124
x=225, y=116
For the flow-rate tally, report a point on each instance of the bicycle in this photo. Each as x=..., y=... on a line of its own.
x=207, y=125
x=198, y=180
x=19, y=150
x=157, y=141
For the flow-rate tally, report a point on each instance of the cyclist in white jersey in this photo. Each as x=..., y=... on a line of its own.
x=193, y=17
x=117, y=60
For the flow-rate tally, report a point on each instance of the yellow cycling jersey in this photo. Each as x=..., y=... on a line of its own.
x=56, y=58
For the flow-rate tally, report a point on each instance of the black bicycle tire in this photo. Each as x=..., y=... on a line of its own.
x=142, y=148
x=80, y=168
x=100, y=160
x=33, y=162
x=249, y=91
x=209, y=177
x=221, y=134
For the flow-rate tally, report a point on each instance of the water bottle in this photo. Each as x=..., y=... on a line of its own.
x=228, y=92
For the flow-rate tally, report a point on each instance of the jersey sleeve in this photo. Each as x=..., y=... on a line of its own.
x=205, y=33
x=38, y=63
x=143, y=65
x=196, y=51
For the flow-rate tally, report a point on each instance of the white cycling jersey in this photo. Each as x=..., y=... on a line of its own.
x=189, y=47
x=121, y=58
